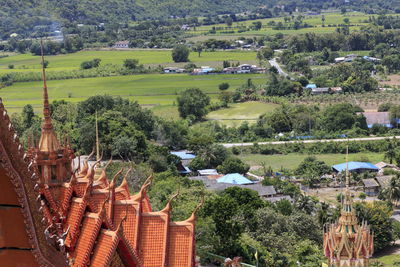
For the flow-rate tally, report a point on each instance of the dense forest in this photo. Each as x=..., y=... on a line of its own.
x=31, y=16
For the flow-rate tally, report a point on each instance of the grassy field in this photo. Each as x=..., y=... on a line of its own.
x=292, y=161
x=356, y=20
x=27, y=62
x=389, y=260
x=240, y=112
x=147, y=89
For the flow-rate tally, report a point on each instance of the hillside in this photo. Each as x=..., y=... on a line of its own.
x=27, y=17
x=24, y=16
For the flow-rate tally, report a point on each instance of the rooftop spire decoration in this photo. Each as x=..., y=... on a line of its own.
x=48, y=140
x=346, y=243
x=70, y=219
x=97, y=139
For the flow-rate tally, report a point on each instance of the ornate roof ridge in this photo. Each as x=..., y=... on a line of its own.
x=24, y=176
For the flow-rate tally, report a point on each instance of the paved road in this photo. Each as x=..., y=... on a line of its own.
x=274, y=63
x=311, y=141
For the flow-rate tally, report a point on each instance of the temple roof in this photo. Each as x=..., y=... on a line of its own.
x=346, y=239
x=60, y=216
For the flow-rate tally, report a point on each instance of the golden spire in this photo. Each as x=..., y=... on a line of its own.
x=348, y=215
x=48, y=140
x=97, y=139
x=46, y=110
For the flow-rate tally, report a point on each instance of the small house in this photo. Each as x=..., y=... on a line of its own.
x=263, y=191
x=384, y=181
x=244, y=68
x=371, y=187
x=355, y=166
x=185, y=158
x=173, y=70
x=336, y=90
x=234, y=178
x=320, y=91
x=339, y=59
x=377, y=118
x=121, y=44
x=230, y=70
x=203, y=70
x=207, y=172
x=311, y=86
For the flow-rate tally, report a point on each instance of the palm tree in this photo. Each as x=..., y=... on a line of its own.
x=390, y=153
x=306, y=204
x=392, y=192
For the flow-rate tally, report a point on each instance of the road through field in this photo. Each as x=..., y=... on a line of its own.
x=275, y=64
x=311, y=141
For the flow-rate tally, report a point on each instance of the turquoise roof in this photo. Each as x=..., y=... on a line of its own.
x=311, y=86
x=183, y=155
x=234, y=178
x=355, y=165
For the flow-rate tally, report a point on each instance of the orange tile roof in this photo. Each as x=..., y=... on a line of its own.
x=106, y=245
x=94, y=218
x=180, y=239
x=90, y=229
x=152, y=243
x=74, y=218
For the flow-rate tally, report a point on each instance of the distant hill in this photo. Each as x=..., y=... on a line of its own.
x=21, y=16
x=25, y=16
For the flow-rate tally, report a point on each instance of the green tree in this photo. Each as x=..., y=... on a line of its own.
x=312, y=169
x=257, y=25
x=180, y=53
x=341, y=117
x=131, y=63
x=193, y=102
x=27, y=116
x=265, y=53
x=377, y=214
x=228, y=21
x=233, y=165
x=199, y=48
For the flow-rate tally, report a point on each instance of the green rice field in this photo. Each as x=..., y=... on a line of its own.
x=153, y=57
x=147, y=89
x=238, y=113
x=292, y=161
x=318, y=26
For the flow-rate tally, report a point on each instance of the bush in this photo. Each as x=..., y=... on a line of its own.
x=11, y=66
x=45, y=64
x=131, y=63
x=91, y=64
x=223, y=86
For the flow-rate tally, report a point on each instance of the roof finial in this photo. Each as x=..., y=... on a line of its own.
x=347, y=168
x=97, y=139
x=46, y=110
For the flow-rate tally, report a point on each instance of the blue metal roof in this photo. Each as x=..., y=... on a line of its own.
x=355, y=165
x=234, y=178
x=185, y=171
x=183, y=155
x=311, y=86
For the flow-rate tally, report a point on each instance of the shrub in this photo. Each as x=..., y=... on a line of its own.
x=223, y=86
x=131, y=63
x=91, y=64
